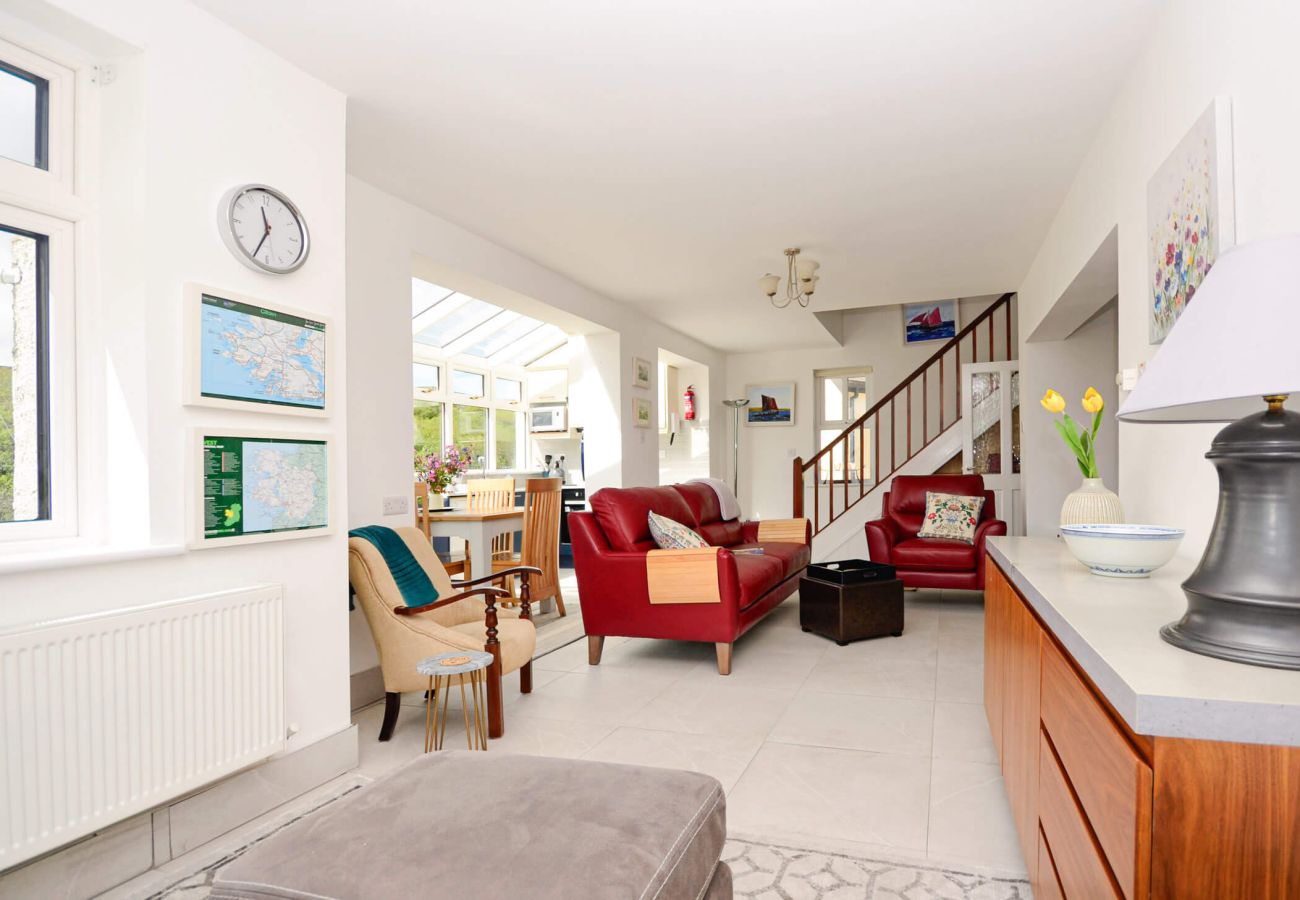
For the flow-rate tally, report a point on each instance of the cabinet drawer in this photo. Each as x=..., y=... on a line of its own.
x=1112, y=782
x=1082, y=872
x=1047, y=886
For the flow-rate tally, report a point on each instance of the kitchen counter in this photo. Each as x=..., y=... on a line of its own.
x=1111, y=626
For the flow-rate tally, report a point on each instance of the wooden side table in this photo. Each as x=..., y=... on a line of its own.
x=471, y=666
x=851, y=612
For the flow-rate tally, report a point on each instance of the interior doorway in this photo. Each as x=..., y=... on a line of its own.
x=682, y=418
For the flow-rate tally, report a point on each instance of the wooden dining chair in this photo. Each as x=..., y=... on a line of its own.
x=489, y=494
x=541, y=544
x=453, y=564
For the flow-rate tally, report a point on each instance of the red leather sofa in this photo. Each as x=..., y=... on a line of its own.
x=931, y=562
x=631, y=588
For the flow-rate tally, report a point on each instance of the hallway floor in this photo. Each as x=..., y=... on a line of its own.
x=878, y=747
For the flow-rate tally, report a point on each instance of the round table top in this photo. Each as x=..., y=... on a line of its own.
x=457, y=663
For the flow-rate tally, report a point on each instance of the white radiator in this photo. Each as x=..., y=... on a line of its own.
x=106, y=716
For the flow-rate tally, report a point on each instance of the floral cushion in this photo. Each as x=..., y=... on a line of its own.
x=670, y=535
x=950, y=516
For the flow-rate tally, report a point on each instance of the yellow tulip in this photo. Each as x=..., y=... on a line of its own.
x=1093, y=402
x=1053, y=402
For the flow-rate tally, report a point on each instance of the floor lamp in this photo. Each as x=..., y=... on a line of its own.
x=735, y=442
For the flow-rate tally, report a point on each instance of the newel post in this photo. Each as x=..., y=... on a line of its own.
x=798, y=488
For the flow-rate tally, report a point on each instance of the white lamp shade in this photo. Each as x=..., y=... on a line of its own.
x=807, y=269
x=769, y=283
x=811, y=285
x=1237, y=341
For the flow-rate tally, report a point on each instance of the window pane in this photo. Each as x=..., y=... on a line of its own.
x=468, y=384
x=425, y=377
x=466, y=314
x=469, y=431
x=857, y=385
x=832, y=399
x=23, y=114
x=507, y=438
x=508, y=390
x=428, y=427
x=513, y=328
x=24, y=403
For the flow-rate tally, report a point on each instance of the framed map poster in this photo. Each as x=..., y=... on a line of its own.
x=259, y=486
x=246, y=354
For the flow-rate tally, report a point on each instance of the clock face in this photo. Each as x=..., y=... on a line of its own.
x=264, y=229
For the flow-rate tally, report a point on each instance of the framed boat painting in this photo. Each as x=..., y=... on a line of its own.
x=1190, y=217
x=929, y=321
x=770, y=403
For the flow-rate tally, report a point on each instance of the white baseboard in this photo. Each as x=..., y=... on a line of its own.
x=367, y=688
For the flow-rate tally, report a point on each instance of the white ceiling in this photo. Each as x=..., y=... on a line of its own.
x=664, y=152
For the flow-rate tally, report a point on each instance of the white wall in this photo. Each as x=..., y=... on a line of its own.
x=386, y=237
x=1085, y=359
x=871, y=337
x=1241, y=49
x=200, y=109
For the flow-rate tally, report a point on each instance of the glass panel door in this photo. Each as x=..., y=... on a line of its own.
x=990, y=410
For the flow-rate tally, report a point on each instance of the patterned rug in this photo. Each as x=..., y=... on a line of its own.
x=773, y=872
x=762, y=871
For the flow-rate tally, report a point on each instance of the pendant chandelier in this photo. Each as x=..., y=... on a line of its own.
x=801, y=281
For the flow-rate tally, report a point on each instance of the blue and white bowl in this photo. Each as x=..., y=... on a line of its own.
x=1122, y=551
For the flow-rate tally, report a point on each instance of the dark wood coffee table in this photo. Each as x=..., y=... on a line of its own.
x=851, y=612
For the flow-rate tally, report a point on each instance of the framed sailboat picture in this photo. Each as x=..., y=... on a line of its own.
x=929, y=321
x=770, y=403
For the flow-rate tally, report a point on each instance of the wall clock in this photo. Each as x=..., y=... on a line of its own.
x=263, y=229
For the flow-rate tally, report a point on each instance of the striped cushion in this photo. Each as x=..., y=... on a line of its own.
x=670, y=535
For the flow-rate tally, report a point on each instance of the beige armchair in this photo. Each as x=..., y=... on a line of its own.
x=468, y=620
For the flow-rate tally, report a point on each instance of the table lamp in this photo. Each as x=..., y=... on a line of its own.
x=1234, y=355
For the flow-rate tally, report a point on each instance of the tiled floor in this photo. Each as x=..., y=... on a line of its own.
x=880, y=746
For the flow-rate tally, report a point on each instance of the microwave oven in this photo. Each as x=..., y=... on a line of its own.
x=548, y=418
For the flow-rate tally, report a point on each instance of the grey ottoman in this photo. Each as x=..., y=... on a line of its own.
x=467, y=825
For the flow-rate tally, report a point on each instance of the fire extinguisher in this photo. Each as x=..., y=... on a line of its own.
x=690, y=403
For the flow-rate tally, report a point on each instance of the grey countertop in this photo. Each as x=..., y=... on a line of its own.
x=1111, y=626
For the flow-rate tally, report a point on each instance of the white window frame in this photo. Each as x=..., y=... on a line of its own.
x=821, y=423
x=54, y=185
x=483, y=399
x=502, y=402
x=53, y=202
x=431, y=394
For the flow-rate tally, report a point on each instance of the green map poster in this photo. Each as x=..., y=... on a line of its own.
x=255, y=485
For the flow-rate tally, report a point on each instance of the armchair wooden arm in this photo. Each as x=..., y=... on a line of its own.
x=489, y=593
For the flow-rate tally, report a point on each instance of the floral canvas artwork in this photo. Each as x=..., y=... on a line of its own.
x=1189, y=217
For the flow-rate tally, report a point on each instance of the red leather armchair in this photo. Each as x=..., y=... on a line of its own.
x=630, y=588
x=931, y=562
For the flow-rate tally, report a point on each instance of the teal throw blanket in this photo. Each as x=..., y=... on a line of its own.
x=417, y=590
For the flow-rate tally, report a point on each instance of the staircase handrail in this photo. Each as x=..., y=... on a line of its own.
x=1003, y=303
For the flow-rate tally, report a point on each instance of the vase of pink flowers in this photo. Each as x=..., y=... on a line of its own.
x=440, y=470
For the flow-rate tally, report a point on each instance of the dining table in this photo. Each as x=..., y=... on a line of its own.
x=477, y=527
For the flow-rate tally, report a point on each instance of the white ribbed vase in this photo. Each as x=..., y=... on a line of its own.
x=1092, y=504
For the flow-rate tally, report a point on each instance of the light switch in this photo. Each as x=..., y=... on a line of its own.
x=396, y=506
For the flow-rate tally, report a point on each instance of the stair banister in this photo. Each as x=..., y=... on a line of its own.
x=903, y=389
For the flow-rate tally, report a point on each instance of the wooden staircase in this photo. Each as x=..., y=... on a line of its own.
x=901, y=424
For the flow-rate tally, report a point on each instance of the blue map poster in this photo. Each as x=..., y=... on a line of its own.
x=253, y=354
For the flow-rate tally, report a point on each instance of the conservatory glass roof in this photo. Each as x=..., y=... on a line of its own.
x=456, y=324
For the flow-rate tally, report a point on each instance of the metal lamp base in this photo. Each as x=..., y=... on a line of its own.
x=1243, y=600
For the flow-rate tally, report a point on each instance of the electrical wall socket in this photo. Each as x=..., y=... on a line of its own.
x=396, y=506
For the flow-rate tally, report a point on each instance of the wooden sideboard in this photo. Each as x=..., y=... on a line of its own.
x=1103, y=812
